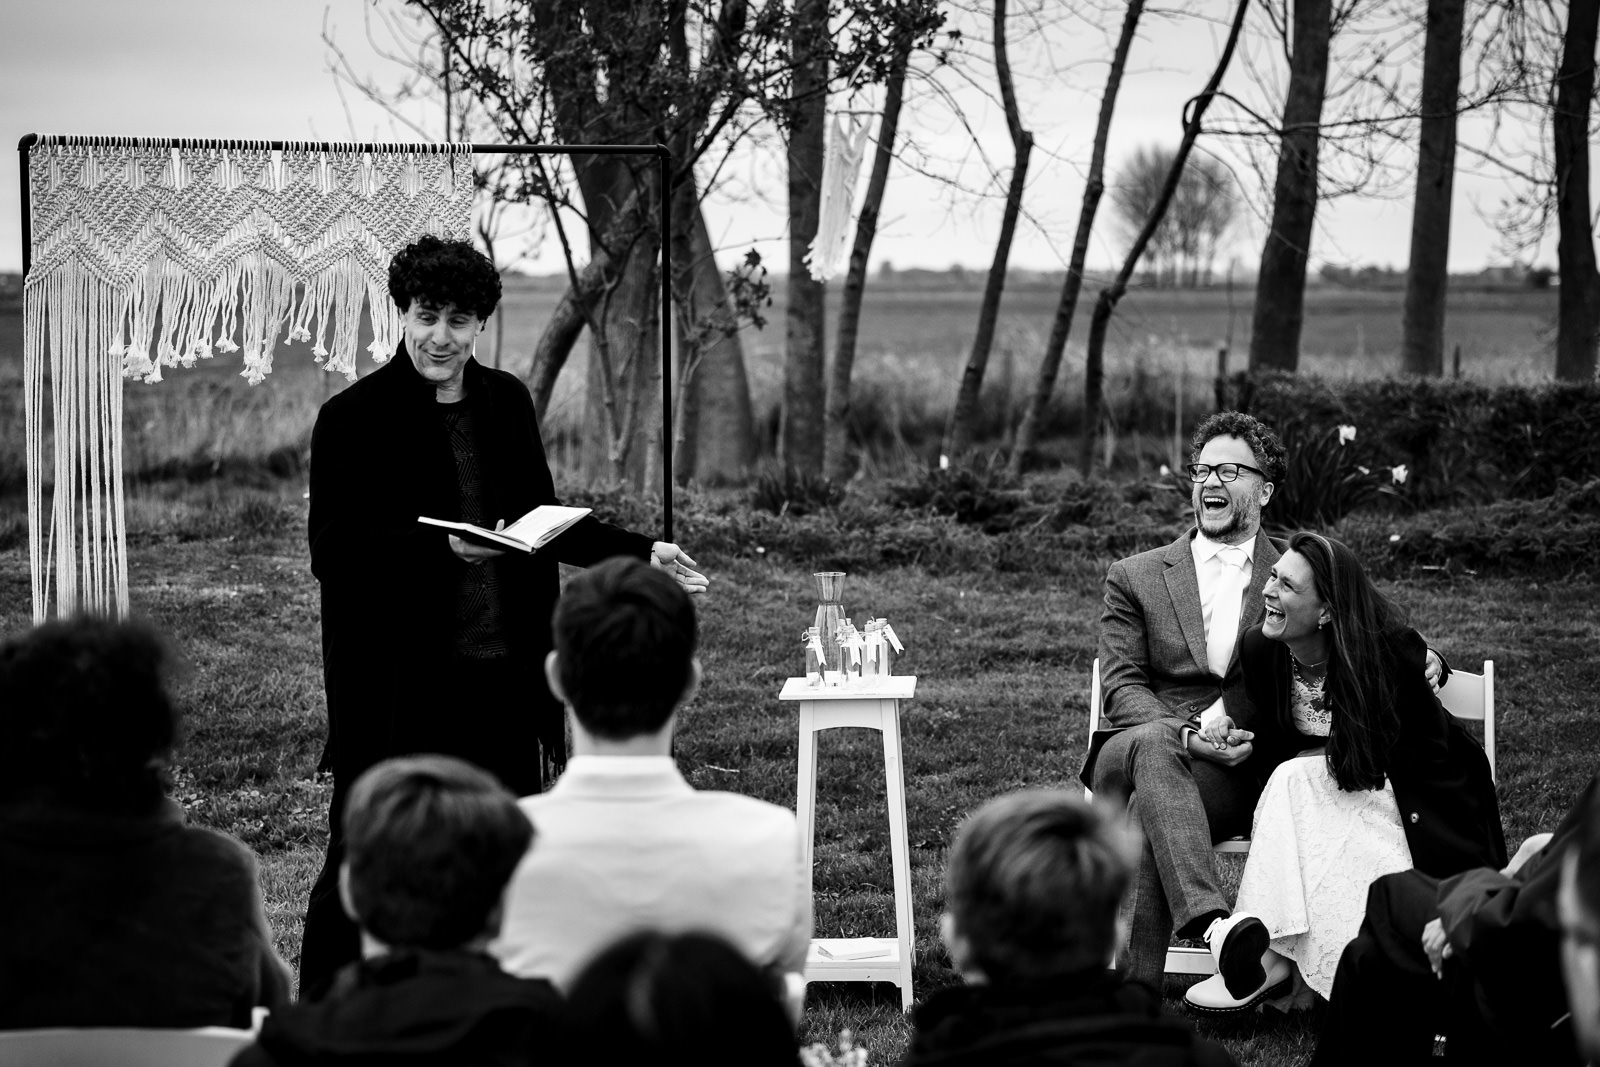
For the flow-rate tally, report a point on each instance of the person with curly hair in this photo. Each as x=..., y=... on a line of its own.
x=113, y=911
x=431, y=643
x=1170, y=668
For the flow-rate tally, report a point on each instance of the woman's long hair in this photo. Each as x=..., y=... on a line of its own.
x=1362, y=673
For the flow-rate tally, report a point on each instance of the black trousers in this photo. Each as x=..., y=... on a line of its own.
x=487, y=712
x=1387, y=1005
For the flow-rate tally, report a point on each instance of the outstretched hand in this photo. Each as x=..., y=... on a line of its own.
x=1436, y=945
x=664, y=555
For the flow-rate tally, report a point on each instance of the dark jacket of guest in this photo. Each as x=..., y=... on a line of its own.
x=380, y=457
x=1094, y=1020
x=1440, y=775
x=129, y=921
x=415, y=1007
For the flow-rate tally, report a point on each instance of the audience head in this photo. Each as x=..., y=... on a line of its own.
x=1033, y=885
x=430, y=843
x=444, y=273
x=1228, y=497
x=1326, y=598
x=1578, y=908
x=86, y=719
x=624, y=649
x=678, y=998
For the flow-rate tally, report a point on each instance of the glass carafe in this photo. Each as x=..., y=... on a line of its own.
x=830, y=612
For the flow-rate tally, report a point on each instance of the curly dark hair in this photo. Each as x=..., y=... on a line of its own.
x=444, y=272
x=86, y=719
x=1263, y=440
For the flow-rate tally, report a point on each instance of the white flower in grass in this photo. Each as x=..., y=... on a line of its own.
x=1363, y=470
x=1399, y=474
x=1165, y=470
x=1347, y=433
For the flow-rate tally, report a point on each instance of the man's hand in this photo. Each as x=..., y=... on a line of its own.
x=1531, y=847
x=1235, y=749
x=675, y=561
x=1433, y=668
x=472, y=552
x=1436, y=945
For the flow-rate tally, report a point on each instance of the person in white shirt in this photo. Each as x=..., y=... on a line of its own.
x=625, y=843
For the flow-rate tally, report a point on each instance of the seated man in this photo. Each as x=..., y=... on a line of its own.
x=113, y=912
x=430, y=844
x=1032, y=889
x=624, y=842
x=1475, y=957
x=1169, y=663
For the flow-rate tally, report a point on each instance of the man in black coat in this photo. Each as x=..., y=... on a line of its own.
x=1474, y=957
x=431, y=643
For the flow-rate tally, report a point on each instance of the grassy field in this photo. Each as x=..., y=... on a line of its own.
x=912, y=350
x=1002, y=661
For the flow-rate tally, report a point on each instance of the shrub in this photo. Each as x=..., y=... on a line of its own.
x=1332, y=471
x=793, y=492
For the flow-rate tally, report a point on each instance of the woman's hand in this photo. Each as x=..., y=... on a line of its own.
x=1531, y=847
x=1234, y=752
x=1217, y=730
x=667, y=556
x=1436, y=945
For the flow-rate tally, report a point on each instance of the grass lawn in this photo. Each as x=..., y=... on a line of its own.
x=1002, y=662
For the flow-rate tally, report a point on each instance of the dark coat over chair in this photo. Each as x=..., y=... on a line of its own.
x=1440, y=774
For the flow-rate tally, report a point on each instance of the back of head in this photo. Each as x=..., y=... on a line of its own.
x=1263, y=441
x=440, y=272
x=430, y=843
x=625, y=637
x=1033, y=884
x=86, y=721
x=682, y=998
x=1362, y=672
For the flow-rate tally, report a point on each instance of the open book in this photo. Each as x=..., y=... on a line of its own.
x=528, y=534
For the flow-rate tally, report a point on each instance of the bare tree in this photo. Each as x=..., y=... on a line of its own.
x=959, y=437
x=800, y=439
x=1578, y=333
x=1183, y=247
x=1067, y=305
x=1281, y=283
x=1106, y=303
x=1427, y=281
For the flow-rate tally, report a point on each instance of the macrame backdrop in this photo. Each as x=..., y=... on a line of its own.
x=150, y=254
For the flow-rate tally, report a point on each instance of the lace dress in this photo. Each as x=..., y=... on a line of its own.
x=1315, y=849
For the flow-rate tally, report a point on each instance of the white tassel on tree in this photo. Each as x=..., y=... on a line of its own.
x=847, y=146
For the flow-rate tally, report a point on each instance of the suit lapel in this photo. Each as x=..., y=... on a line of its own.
x=1183, y=586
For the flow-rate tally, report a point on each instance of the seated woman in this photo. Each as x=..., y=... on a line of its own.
x=112, y=911
x=1369, y=775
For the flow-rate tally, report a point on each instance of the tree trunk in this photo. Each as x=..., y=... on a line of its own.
x=1281, y=285
x=563, y=328
x=1066, y=307
x=800, y=441
x=959, y=439
x=719, y=426
x=621, y=432
x=1107, y=302
x=1428, y=280
x=1578, y=321
x=836, y=464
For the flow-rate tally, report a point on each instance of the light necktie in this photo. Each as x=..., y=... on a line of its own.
x=1227, y=603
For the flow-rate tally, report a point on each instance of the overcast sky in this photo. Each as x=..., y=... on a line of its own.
x=259, y=69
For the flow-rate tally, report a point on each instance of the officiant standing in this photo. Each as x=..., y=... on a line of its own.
x=430, y=643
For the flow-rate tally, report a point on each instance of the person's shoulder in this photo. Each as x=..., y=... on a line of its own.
x=756, y=817
x=1150, y=561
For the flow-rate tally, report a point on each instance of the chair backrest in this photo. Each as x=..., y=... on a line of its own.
x=1470, y=697
x=1096, y=702
x=210, y=1046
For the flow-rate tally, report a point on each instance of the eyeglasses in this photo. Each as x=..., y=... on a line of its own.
x=1227, y=472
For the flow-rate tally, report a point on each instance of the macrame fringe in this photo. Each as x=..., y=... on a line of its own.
x=148, y=258
x=847, y=146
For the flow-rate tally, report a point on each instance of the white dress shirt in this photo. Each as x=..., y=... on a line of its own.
x=1216, y=586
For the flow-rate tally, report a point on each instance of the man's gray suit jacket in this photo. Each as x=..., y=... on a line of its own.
x=1153, y=643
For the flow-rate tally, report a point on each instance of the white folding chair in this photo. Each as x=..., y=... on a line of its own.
x=1467, y=696
x=209, y=1046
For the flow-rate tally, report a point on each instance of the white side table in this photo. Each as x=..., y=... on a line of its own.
x=874, y=704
